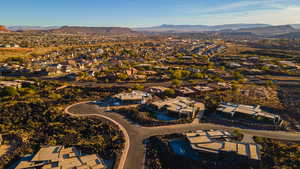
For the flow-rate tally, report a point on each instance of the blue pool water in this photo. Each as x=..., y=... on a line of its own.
x=180, y=147
x=164, y=117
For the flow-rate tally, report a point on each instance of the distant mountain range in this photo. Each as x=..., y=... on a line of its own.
x=255, y=30
x=293, y=35
x=74, y=30
x=270, y=30
x=26, y=28
x=198, y=28
x=92, y=30
x=262, y=30
x=296, y=26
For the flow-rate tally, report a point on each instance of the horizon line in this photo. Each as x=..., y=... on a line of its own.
x=148, y=26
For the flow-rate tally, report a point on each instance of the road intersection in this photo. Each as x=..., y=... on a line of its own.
x=133, y=153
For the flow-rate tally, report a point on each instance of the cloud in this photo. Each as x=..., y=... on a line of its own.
x=276, y=12
x=242, y=6
x=275, y=16
x=282, y=16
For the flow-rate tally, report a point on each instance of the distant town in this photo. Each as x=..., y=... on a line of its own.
x=150, y=98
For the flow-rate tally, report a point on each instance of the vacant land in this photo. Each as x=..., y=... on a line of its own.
x=4, y=149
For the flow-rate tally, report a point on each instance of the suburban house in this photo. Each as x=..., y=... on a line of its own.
x=60, y=157
x=13, y=84
x=54, y=69
x=179, y=106
x=247, y=112
x=220, y=85
x=219, y=141
x=203, y=88
x=134, y=97
x=157, y=89
x=185, y=91
x=130, y=71
x=289, y=64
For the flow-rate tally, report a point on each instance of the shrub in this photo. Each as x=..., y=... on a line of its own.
x=9, y=91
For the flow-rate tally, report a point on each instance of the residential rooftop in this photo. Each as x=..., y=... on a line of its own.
x=216, y=141
x=134, y=95
x=60, y=157
x=181, y=105
x=231, y=109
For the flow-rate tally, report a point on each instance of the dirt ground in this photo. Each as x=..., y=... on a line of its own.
x=4, y=149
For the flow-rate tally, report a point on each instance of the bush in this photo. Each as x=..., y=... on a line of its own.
x=177, y=82
x=237, y=135
x=9, y=91
x=170, y=92
x=259, y=140
x=139, y=87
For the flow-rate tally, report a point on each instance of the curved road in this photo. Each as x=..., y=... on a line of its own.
x=133, y=154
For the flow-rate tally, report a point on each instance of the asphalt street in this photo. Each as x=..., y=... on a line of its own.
x=134, y=158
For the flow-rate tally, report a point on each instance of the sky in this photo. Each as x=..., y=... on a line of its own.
x=144, y=13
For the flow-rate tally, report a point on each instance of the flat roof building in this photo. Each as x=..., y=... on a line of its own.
x=180, y=106
x=59, y=157
x=246, y=110
x=157, y=89
x=185, y=90
x=15, y=84
x=134, y=97
x=216, y=141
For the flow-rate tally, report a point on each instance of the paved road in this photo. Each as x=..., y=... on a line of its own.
x=134, y=157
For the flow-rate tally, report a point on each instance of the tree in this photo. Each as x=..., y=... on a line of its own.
x=222, y=68
x=185, y=73
x=139, y=87
x=265, y=68
x=270, y=83
x=177, y=82
x=170, y=92
x=177, y=74
x=9, y=91
x=238, y=75
x=199, y=75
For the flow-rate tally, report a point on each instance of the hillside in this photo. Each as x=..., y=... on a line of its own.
x=270, y=30
x=292, y=35
x=296, y=26
x=3, y=29
x=92, y=30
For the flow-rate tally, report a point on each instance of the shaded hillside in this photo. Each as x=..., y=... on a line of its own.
x=92, y=30
x=231, y=35
x=270, y=30
x=296, y=26
x=293, y=35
